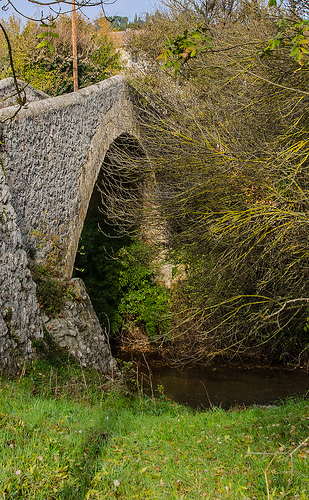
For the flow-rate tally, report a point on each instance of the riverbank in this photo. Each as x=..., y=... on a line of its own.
x=69, y=433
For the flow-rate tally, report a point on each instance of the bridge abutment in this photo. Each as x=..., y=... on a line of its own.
x=52, y=153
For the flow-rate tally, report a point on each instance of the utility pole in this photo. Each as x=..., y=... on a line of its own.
x=74, y=45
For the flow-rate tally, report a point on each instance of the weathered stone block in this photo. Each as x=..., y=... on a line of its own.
x=78, y=330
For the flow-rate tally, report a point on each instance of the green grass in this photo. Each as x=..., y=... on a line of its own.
x=65, y=434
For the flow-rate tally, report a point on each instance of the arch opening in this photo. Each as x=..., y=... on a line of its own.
x=110, y=233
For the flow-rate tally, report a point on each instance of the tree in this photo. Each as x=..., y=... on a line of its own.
x=47, y=20
x=229, y=144
x=53, y=72
x=118, y=23
x=102, y=26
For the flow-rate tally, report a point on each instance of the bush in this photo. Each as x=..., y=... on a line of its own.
x=50, y=291
x=120, y=280
x=229, y=144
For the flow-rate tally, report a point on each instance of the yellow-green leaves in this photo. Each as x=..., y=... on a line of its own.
x=300, y=41
x=295, y=37
x=184, y=47
x=47, y=36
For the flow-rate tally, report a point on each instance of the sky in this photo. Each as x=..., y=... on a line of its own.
x=120, y=7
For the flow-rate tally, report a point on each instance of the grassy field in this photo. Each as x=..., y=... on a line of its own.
x=68, y=434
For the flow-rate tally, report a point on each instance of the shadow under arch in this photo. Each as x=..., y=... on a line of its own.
x=124, y=144
x=113, y=216
x=120, y=183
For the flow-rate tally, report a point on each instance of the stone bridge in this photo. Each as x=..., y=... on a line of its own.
x=52, y=152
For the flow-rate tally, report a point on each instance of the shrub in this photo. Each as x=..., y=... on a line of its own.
x=50, y=291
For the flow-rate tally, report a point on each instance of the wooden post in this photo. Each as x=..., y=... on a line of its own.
x=74, y=45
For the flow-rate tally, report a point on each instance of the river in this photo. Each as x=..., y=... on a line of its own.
x=222, y=385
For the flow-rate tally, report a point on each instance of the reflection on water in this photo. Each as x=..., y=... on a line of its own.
x=224, y=385
x=228, y=386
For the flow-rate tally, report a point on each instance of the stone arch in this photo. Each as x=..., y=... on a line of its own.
x=52, y=154
x=126, y=139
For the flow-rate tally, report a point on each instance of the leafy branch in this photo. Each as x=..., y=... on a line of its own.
x=185, y=46
x=189, y=44
x=297, y=40
x=47, y=36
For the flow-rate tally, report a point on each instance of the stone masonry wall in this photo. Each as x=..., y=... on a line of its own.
x=20, y=320
x=57, y=147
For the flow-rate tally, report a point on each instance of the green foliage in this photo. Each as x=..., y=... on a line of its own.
x=185, y=46
x=50, y=291
x=120, y=280
x=142, y=299
x=118, y=23
x=52, y=71
x=294, y=36
x=47, y=36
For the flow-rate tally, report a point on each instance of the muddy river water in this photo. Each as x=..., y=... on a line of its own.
x=223, y=385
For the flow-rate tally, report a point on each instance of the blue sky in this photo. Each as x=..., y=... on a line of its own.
x=120, y=7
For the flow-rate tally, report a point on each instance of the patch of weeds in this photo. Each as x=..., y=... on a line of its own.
x=50, y=291
x=129, y=375
x=54, y=244
x=58, y=375
x=120, y=277
x=70, y=294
